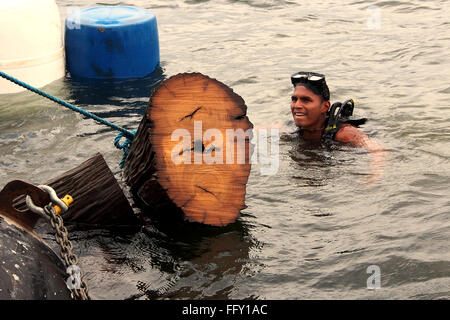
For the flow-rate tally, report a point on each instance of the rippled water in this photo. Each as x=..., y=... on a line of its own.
x=311, y=230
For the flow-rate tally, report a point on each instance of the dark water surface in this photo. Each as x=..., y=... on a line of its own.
x=313, y=229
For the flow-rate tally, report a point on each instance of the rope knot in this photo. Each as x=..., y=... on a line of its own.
x=125, y=146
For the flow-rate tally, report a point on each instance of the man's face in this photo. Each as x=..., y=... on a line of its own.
x=308, y=109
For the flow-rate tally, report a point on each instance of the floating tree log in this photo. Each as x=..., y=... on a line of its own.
x=98, y=198
x=191, y=151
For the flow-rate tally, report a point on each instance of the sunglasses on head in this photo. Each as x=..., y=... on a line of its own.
x=302, y=77
x=313, y=81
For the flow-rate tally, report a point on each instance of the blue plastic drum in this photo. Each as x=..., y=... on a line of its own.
x=109, y=42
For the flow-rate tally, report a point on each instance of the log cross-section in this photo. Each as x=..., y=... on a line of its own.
x=191, y=151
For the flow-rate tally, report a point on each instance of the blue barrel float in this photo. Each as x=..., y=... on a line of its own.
x=110, y=42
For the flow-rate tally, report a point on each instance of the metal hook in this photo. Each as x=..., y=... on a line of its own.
x=53, y=198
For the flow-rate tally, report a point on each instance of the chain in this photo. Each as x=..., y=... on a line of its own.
x=79, y=289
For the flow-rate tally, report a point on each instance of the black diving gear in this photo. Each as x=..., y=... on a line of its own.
x=338, y=115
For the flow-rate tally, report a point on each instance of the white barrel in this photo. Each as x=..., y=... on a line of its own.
x=31, y=43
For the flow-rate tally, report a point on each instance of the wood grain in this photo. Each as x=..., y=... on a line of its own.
x=198, y=178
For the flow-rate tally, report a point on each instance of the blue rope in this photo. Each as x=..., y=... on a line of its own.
x=125, y=146
x=125, y=132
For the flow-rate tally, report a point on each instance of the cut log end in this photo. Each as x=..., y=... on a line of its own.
x=194, y=141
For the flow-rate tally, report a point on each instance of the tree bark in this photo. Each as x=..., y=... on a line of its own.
x=98, y=198
x=191, y=151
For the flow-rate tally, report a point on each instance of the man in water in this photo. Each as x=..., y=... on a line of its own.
x=310, y=103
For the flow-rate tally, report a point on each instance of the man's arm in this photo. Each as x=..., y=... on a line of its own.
x=378, y=153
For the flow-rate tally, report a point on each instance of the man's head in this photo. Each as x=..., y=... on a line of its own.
x=310, y=100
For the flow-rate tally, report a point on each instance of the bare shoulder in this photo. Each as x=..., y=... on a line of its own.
x=355, y=136
x=351, y=134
